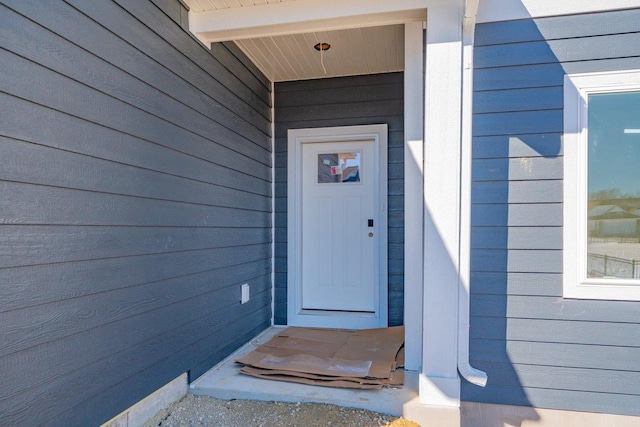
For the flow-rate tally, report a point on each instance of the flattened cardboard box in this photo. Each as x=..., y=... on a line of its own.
x=330, y=357
x=342, y=382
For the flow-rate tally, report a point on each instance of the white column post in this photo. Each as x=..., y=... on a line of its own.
x=413, y=191
x=439, y=381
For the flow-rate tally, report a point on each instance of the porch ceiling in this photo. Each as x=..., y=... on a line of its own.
x=366, y=37
x=353, y=51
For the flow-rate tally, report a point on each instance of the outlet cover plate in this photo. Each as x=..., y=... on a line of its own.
x=245, y=293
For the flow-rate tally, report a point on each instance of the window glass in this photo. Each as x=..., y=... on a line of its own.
x=338, y=167
x=613, y=209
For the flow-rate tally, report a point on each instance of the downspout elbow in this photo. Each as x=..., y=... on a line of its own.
x=469, y=373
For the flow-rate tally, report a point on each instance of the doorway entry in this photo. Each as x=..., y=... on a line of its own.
x=337, y=227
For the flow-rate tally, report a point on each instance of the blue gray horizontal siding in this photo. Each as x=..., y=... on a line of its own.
x=346, y=101
x=177, y=10
x=538, y=348
x=135, y=183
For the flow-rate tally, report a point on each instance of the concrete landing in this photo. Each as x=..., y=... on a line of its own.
x=224, y=381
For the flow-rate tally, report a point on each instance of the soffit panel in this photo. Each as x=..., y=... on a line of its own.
x=353, y=51
x=366, y=44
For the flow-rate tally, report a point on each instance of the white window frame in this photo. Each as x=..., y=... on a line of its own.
x=577, y=88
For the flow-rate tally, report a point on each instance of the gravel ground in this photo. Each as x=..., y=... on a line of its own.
x=206, y=411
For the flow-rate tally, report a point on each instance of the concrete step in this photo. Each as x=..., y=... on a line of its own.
x=224, y=381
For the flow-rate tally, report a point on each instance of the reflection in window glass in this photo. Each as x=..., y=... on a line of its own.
x=613, y=247
x=338, y=167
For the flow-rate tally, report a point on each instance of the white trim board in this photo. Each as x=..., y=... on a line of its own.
x=340, y=23
x=413, y=192
x=273, y=205
x=303, y=16
x=295, y=315
x=507, y=10
x=439, y=381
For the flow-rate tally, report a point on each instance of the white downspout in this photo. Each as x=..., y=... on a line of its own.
x=471, y=374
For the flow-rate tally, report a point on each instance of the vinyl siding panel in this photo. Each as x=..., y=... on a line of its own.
x=499, y=328
x=566, y=50
x=508, y=100
x=516, y=238
x=79, y=136
x=346, y=101
x=561, y=27
x=136, y=198
x=532, y=191
x=176, y=10
x=538, y=397
x=562, y=355
x=540, y=145
x=538, y=348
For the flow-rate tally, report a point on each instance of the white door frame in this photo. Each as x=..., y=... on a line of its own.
x=296, y=316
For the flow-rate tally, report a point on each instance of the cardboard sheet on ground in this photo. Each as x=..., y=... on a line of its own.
x=330, y=357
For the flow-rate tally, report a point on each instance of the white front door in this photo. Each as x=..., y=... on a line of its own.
x=337, y=227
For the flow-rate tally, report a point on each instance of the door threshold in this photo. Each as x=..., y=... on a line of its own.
x=312, y=311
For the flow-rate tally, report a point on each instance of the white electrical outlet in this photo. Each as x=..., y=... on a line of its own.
x=245, y=293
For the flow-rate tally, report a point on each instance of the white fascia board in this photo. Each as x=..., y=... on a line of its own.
x=506, y=10
x=371, y=20
x=303, y=16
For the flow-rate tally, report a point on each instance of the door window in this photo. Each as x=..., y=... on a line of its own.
x=339, y=167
